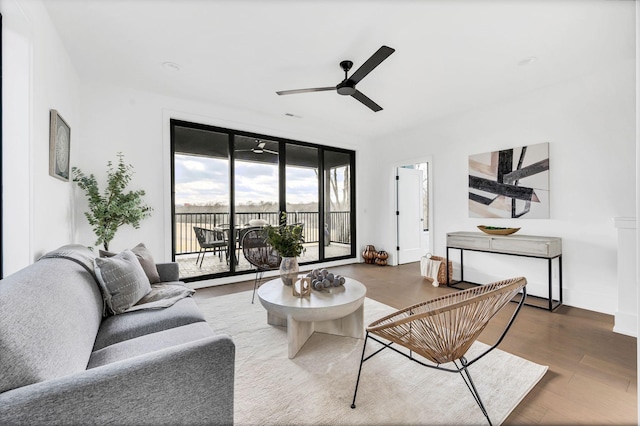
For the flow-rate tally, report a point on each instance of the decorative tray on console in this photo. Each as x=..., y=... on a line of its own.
x=497, y=230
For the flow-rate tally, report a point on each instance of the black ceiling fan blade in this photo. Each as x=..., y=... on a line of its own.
x=375, y=60
x=315, y=89
x=366, y=101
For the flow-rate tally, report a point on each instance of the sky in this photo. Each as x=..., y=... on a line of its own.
x=203, y=180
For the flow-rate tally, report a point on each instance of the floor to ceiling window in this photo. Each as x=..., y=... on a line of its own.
x=201, y=189
x=226, y=182
x=256, y=189
x=302, y=196
x=338, y=217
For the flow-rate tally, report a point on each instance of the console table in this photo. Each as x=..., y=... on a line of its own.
x=548, y=248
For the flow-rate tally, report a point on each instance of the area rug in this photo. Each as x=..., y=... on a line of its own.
x=316, y=387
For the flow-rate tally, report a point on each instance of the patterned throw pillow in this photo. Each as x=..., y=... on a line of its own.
x=122, y=279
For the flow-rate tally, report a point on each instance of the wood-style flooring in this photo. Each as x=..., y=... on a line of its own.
x=592, y=370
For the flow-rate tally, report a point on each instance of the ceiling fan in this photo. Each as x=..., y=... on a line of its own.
x=259, y=149
x=348, y=86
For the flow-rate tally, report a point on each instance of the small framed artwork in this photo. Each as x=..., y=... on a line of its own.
x=59, y=138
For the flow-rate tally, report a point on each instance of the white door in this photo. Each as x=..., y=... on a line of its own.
x=409, y=215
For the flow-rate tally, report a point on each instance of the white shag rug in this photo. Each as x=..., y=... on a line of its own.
x=316, y=387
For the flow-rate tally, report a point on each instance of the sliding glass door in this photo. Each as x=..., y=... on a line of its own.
x=338, y=190
x=256, y=184
x=201, y=194
x=226, y=182
x=302, y=197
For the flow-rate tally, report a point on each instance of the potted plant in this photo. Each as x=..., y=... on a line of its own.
x=288, y=241
x=115, y=207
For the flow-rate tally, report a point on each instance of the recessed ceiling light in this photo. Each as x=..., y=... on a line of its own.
x=528, y=60
x=171, y=66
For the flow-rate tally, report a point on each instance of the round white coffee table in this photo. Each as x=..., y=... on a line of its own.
x=338, y=311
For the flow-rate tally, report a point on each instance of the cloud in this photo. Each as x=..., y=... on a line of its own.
x=202, y=180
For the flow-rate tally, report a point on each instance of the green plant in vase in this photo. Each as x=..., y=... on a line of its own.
x=115, y=207
x=288, y=241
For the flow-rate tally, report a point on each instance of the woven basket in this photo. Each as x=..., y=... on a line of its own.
x=442, y=272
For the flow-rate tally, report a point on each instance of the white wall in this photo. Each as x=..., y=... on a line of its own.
x=637, y=91
x=590, y=125
x=38, y=76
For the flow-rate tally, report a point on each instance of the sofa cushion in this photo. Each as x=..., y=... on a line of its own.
x=129, y=325
x=150, y=343
x=50, y=313
x=168, y=271
x=146, y=261
x=122, y=279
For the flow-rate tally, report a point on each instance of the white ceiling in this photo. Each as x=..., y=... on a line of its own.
x=451, y=56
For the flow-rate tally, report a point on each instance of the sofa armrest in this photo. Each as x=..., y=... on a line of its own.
x=185, y=384
x=168, y=271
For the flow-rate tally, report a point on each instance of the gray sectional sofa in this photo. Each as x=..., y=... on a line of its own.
x=62, y=361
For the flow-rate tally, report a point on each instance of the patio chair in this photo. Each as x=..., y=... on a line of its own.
x=442, y=330
x=241, y=232
x=211, y=240
x=260, y=254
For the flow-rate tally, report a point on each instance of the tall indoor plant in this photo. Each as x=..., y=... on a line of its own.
x=115, y=207
x=288, y=241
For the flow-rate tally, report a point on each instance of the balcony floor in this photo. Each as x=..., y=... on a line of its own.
x=213, y=264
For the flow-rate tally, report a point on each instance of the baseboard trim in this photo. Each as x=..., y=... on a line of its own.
x=626, y=324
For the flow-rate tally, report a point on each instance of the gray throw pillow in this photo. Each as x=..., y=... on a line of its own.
x=122, y=279
x=146, y=261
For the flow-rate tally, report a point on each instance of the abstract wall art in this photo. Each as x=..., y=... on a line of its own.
x=510, y=183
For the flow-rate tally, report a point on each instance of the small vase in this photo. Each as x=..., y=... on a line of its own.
x=381, y=258
x=369, y=254
x=289, y=270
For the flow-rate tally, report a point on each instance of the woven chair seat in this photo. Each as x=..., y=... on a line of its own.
x=443, y=329
x=258, y=252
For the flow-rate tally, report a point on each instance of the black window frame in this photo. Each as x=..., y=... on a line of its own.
x=232, y=133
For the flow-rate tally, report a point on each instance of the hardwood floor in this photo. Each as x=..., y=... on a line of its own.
x=592, y=370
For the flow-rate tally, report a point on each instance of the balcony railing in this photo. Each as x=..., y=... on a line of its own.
x=338, y=226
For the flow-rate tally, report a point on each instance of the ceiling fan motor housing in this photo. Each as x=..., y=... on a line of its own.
x=347, y=87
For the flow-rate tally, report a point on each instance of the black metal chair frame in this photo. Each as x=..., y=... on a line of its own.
x=267, y=259
x=217, y=243
x=461, y=364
